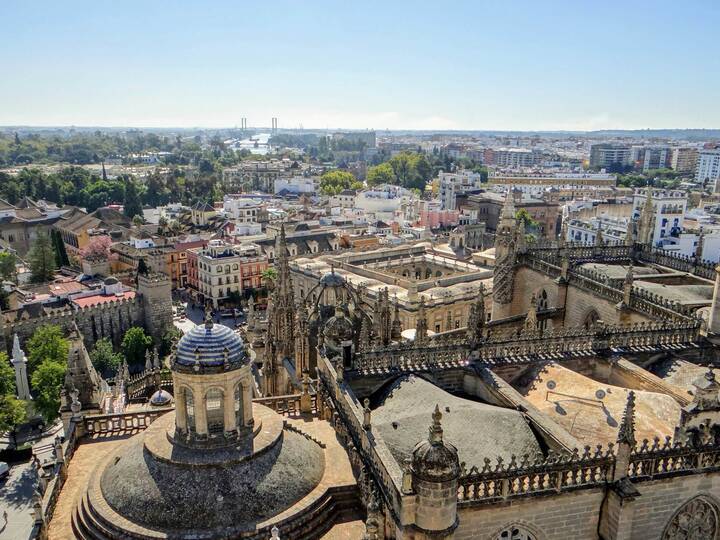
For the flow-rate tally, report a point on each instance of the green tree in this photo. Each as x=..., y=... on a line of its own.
x=46, y=382
x=42, y=259
x=7, y=265
x=333, y=182
x=134, y=345
x=61, y=256
x=169, y=339
x=104, y=358
x=13, y=412
x=47, y=343
x=7, y=376
x=132, y=205
x=380, y=174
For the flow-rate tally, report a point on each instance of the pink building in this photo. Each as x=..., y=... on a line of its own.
x=433, y=218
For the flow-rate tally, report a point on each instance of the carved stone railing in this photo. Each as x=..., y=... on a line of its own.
x=142, y=384
x=372, y=451
x=548, y=262
x=554, y=474
x=116, y=423
x=672, y=458
x=516, y=346
x=682, y=263
x=409, y=357
x=287, y=405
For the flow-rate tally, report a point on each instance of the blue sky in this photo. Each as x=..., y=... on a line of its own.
x=519, y=65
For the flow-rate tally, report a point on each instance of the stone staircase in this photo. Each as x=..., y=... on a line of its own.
x=337, y=505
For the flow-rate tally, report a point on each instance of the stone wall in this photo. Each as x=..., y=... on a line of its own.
x=659, y=500
x=110, y=320
x=570, y=515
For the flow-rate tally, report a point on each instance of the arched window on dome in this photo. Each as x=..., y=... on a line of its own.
x=215, y=412
x=190, y=408
x=237, y=400
x=515, y=532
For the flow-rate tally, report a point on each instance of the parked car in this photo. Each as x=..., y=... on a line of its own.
x=4, y=470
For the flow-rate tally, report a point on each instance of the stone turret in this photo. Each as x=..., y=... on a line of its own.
x=435, y=473
x=421, y=330
x=155, y=290
x=627, y=286
x=281, y=317
x=19, y=363
x=646, y=221
x=476, y=319
x=505, y=254
x=626, y=438
x=531, y=320
x=705, y=404
x=396, y=332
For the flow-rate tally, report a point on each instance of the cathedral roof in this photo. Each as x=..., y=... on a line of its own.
x=210, y=347
x=476, y=429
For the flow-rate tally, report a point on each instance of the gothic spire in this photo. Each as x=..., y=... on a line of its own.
x=531, y=321
x=421, y=325
x=646, y=218
x=435, y=433
x=626, y=434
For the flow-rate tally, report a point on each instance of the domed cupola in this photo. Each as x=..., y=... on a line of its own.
x=210, y=348
x=435, y=460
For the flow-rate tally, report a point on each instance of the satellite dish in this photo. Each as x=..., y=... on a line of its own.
x=600, y=394
x=551, y=385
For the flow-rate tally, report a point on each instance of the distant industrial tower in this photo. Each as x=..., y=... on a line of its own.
x=274, y=126
x=243, y=124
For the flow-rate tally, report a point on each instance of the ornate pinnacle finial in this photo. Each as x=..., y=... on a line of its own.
x=629, y=275
x=626, y=434
x=436, y=432
x=208, y=317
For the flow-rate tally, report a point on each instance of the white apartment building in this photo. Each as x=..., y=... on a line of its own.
x=242, y=209
x=296, y=184
x=226, y=268
x=669, y=211
x=614, y=230
x=344, y=199
x=451, y=184
x=708, y=168
x=516, y=158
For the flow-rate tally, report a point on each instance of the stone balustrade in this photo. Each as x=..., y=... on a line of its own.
x=553, y=474
x=591, y=469
x=116, y=423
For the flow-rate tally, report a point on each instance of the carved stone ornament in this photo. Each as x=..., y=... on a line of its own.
x=696, y=520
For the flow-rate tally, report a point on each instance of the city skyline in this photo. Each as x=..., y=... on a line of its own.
x=473, y=67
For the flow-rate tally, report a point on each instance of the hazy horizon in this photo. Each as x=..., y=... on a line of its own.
x=470, y=66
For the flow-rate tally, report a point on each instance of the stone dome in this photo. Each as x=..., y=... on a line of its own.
x=331, y=279
x=212, y=493
x=436, y=461
x=209, y=347
x=160, y=398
